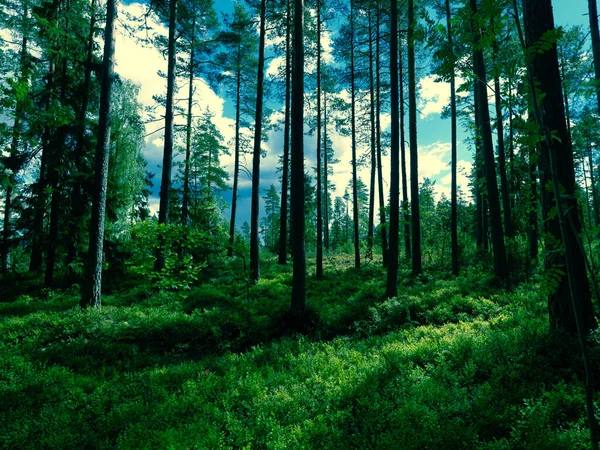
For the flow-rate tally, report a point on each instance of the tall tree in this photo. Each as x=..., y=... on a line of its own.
x=570, y=305
x=298, y=305
x=239, y=59
x=13, y=162
x=283, y=214
x=453, y=193
x=500, y=266
x=319, y=256
x=165, y=185
x=92, y=290
x=382, y=219
x=417, y=267
x=391, y=289
x=353, y=126
x=254, y=245
x=595, y=34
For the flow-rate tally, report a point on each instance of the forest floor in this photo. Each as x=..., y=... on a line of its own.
x=451, y=363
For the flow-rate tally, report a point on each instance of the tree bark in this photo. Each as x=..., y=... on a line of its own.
x=298, y=304
x=188, y=130
x=595, y=34
x=405, y=204
x=500, y=266
x=551, y=117
x=417, y=266
x=92, y=291
x=382, y=219
x=354, y=160
x=319, y=255
x=371, y=225
x=506, y=209
x=453, y=192
x=283, y=214
x=165, y=186
x=254, y=247
x=78, y=204
x=391, y=289
x=14, y=149
x=236, y=157
x=570, y=306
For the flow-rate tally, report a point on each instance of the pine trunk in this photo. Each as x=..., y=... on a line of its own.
x=254, y=245
x=382, y=219
x=391, y=289
x=417, y=267
x=165, y=185
x=354, y=160
x=500, y=266
x=453, y=192
x=283, y=214
x=319, y=256
x=298, y=304
x=92, y=289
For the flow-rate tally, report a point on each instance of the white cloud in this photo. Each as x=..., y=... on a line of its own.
x=434, y=95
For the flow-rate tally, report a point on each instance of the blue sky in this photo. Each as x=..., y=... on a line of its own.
x=433, y=132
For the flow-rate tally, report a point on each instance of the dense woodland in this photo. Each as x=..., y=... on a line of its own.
x=388, y=317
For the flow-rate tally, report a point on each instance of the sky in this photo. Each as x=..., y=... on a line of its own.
x=142, y=63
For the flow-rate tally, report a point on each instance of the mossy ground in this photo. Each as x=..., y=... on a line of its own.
x=451, y=363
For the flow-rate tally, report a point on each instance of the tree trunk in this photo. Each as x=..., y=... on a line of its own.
x=417, y=267
x=188, y=130
x=508, y=225
x=382, y=219
x=236, y=164
x=319, y=256
x=14, y=151
x=405, y=204
x=93, y=284
x=78, y=203
x=325, y=174
x=570, y=306
x=594, y=191
x=283, y=214
x=551, y=117
x=371, y=225
x=254, y=258
x=500, y=266
x=453, y=193
x=532, y=232
x=298, y=304
x=391, y=289
x=354, y=160
x=595, y=34
x=165, y=185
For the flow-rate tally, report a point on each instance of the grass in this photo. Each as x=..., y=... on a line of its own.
x=449, y=363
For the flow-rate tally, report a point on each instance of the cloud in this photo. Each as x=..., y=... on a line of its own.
x=435, y=95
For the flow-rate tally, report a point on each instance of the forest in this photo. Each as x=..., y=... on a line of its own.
x=253, y=257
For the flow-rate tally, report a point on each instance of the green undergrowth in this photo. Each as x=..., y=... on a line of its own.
x=447, y=364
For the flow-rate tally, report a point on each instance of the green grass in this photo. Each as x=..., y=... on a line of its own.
x=448, y=364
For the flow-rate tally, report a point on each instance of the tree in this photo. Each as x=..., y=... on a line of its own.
x=570, y=305
x=165, y=185
x=319, y=256
x=595, y=34
x=298, y=305
x=283, y=214
x=240, y=60
x=391, y=289
x=417, y=267
x=500, y=266
x=453, y=193
x=254, y=258
x=92, y=290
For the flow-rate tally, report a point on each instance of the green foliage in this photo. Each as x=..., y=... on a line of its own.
x=446, y=364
